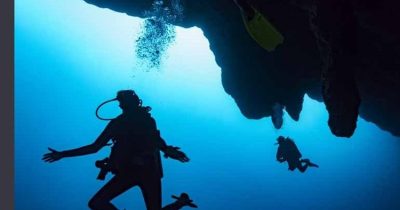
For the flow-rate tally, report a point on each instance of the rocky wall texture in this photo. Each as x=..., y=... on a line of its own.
x=345, y=53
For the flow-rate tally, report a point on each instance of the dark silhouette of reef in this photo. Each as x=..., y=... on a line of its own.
x=345, y=53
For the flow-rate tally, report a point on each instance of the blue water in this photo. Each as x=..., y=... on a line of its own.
x=71, y=56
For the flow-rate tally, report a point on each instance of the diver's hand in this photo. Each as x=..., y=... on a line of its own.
x=52, y=156
x=174, y=153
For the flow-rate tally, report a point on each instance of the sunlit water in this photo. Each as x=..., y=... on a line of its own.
x=71, y=56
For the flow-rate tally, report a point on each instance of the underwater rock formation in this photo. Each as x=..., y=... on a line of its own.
x=344, y=53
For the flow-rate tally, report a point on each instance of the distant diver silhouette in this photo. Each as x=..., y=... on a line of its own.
x=181, y=201
x=288, y=151
x=135, y=154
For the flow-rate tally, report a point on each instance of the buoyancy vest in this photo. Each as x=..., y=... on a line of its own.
x=135, y=145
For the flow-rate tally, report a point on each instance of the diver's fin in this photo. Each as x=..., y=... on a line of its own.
x=312, y=165
x=309, y=163
x=192, y=205
x=262, y=31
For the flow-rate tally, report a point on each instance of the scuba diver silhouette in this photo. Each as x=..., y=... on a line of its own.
x=135, y=154
x=181, y=201
x=288, y=151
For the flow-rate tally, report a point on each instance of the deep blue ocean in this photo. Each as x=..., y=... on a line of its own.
x=71, y=56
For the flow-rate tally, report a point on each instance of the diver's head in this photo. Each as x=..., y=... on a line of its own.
x=128, y=100
x=183, y=198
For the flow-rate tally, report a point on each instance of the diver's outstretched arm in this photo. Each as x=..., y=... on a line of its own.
x=174, y=153
x=169, y=151
x=100, y=142
x=161, y=144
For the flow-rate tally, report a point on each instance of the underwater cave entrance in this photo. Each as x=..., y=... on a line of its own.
x=83, y=59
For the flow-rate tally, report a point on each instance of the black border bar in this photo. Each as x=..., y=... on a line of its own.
x=7, y=104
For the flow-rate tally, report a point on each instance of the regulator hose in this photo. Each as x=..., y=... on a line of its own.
x=102, y=104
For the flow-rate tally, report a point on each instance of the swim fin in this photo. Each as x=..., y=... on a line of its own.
x=312, y=165
x=309, y=163
x=262, y=31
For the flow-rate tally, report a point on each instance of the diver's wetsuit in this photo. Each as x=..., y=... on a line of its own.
x=288, y=151
x=296, y=163
x=135, y=159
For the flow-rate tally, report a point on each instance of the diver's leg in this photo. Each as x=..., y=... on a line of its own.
x=309, y=163
x=302, y=168
x=116, y=186
x=151, y=190
x=291, y=165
